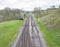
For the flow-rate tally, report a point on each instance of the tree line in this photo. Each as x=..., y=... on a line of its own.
x=39, y=12
x=10, y=14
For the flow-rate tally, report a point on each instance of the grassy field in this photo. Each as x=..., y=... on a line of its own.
x=8, y=31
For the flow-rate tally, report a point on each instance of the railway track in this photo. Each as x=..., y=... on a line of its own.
x=29, y=35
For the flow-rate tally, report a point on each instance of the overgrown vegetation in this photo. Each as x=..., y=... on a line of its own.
x=52, y=21
x=8, y=32
x=52, y=37
x=50, y=26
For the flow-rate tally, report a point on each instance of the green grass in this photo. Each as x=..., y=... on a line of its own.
x=52, y=37
x=8, y=31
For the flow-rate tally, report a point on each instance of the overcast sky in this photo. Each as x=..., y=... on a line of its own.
x=28, y=4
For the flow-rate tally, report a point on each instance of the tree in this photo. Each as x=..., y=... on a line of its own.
x=37, y=11
x=53, y=7
x=59, y=6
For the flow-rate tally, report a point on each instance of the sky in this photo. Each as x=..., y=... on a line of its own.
x=28, y=4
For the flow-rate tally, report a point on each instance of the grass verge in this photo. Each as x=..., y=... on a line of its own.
x=8, y=31
x=52, y=37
